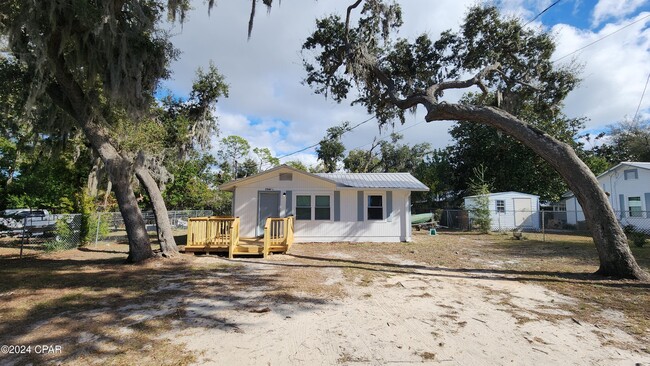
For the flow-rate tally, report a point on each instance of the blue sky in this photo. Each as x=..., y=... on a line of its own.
x=270, y=107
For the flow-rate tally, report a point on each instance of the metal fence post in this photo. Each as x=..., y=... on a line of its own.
x=22, y=241
x=543, y=228
x=448, y=220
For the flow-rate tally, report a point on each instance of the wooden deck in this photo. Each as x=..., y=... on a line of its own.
x=221, y=235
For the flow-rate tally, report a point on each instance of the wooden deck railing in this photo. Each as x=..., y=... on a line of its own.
x=220, y=234
x=278, y=234
x=212, y=232
x=234, y=239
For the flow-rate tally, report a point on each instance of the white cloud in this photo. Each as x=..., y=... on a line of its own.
x=265, y=73
x=614, y=74
x=614, y=9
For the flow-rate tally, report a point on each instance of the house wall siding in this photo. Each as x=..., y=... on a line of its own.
x=391, y=229
x=619, y=190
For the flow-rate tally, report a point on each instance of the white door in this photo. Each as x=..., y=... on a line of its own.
x=523, y=212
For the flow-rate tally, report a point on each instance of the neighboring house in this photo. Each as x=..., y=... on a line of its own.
x=628, y=187
x=328, y=207
x=510, y=210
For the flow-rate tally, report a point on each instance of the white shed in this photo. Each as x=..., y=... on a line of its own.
x=628, y=187
x=511, y=210
x=328, y=207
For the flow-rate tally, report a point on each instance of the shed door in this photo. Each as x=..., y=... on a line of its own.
x=268, y=206
x=523, y=212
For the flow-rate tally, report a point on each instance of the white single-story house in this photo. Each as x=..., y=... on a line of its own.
x=327, y=207
x=510, y=210
x=628, y=188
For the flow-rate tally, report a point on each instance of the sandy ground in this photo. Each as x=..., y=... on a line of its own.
x=417, y=315
x=323, y=304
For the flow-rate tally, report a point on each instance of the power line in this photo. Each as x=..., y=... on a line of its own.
x=601, y=38
x=642, y=95
x=298, y=151
x=542, y=12
x=384, y=138
x=316, y=144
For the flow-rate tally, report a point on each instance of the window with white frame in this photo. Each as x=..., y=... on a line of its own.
x=322, y=210
x=375, y=207
x=631, y=174
x=634, y=206
x=311, y=207
x=303, y=207
x=500, y=206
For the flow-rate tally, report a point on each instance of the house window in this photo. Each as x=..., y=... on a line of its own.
x=634, y=206
x=286, y=176
x=375, y=207
x=303, y=207
x=322, y=209
x=631, y=174
x=501, y=205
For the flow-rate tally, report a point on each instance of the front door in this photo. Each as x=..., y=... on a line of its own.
x=268, y=206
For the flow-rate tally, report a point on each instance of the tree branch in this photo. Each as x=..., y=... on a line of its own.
x=502, y=73
x=347, y=21
x=436, y=90
x=251, y=19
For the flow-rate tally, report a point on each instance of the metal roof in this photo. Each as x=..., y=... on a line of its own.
x=345, y=180
x=504, y=193
x=637, y=164
x=376, y=180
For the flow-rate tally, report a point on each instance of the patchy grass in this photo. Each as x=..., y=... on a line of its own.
x=427, y=356
x=82, y=302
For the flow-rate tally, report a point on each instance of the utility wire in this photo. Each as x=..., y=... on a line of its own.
x=601, y=38
x=542, y=12
x=318, y=143
x=642, y=95
x=385, y=137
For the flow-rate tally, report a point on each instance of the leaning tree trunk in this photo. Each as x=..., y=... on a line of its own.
x=68, y=95
x=119, y=172
x=93, y=179
x=163, y=227
x=611, y=243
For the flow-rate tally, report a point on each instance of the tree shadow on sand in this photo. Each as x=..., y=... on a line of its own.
x=99, y=308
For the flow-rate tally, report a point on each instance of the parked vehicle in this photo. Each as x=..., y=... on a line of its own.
x=31, y=222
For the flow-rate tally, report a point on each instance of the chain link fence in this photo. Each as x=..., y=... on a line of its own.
x=40, y=230
x=535, y=221
x=110, y=227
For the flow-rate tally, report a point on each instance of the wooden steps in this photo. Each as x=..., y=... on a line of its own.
x=221, y=235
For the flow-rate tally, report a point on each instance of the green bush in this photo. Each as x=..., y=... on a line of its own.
x=480, y=210
x=91, y=224
x=66, y=237
x=89, y=220
x=56, y=245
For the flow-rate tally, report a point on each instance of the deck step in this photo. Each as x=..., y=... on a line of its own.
x=249, y=248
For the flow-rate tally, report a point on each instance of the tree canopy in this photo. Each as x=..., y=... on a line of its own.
x=508, y=63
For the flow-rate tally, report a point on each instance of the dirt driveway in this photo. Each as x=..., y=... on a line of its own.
x=405, y=313
x=448, y=300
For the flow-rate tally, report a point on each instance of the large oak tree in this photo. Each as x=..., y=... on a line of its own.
x=506, y=62
x=92, y=58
